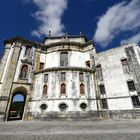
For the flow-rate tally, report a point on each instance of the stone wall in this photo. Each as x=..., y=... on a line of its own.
x=8, y=77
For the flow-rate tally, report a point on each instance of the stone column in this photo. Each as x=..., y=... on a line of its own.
x=8, y=78
x=3, y=60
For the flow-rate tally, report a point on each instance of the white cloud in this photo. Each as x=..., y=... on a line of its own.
x=49, y=16
x=119, y=18
x=133, y=39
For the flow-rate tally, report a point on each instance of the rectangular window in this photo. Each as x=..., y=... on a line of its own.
x=64, y=59
x=41, y=66
x=102, y=89
x=125, y=66
x=135, y=101
x=99, y=72
x=104, y=104
x=63, y=76
x=81, y=77
x=131, y=86
x=45, y=78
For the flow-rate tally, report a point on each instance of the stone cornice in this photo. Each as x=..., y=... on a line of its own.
x=22, y=83
x=23, y=41
x=65, y=69
x=45, y=47
x=4, y=98
x=67, y=36
x=80, y=45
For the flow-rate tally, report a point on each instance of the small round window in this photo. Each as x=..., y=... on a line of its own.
x=63, y=106
x=83, y=106
x=43, y=107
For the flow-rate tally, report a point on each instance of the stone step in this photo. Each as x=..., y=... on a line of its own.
x=71, y=130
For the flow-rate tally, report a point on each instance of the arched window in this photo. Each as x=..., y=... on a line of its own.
x=63, y=88
x=24, y=72
x=82, y=89
x=45, y=88
x=64, y=59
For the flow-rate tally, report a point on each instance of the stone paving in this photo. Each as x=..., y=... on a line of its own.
x=71, y=130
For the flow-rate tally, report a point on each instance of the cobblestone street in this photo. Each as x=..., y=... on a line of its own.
x=71, y=130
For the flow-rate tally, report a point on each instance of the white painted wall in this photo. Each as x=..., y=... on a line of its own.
x=75, y=59
x=120, y=104
x=115, y=80
x=113, y=74
x=53, y=105
x=52, y=60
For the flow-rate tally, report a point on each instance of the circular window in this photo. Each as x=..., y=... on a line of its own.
x=83, y=106
x=43, y=107
x=63, y=106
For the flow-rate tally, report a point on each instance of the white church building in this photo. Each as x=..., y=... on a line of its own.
x=65, y=78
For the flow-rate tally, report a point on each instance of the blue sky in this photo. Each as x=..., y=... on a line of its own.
x=108, y=22
x=18, y=97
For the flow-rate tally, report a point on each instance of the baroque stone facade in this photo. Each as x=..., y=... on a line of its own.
x=65, y=78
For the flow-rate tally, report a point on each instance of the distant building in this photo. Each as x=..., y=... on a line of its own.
x=64, y=78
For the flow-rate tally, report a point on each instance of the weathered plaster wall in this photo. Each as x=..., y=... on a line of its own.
x=72, y=96
x=30, y=62
x=113, y=75
x=114, y=78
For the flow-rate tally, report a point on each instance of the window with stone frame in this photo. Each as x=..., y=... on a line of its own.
x=104, y=104
x=81, y=77
x=82, y=89
x=45, y=90
x=99, y=72
x=41, y=66
x=135, y=101
x=63, y=59
x=45, y=78
x=28, y=51
x=24, y=72
x=125, y=66
x=63, y=89
x=131, y=85
x=102, y=89
x=63, y=76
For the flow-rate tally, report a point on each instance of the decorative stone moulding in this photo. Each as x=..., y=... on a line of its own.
x=27, y=60
x=3, y=98
x=81, y=45
x=66, y=68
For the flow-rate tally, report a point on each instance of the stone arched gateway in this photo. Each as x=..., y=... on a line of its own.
x=17, y=104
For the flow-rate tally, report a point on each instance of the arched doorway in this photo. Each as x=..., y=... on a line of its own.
x=17, y=106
